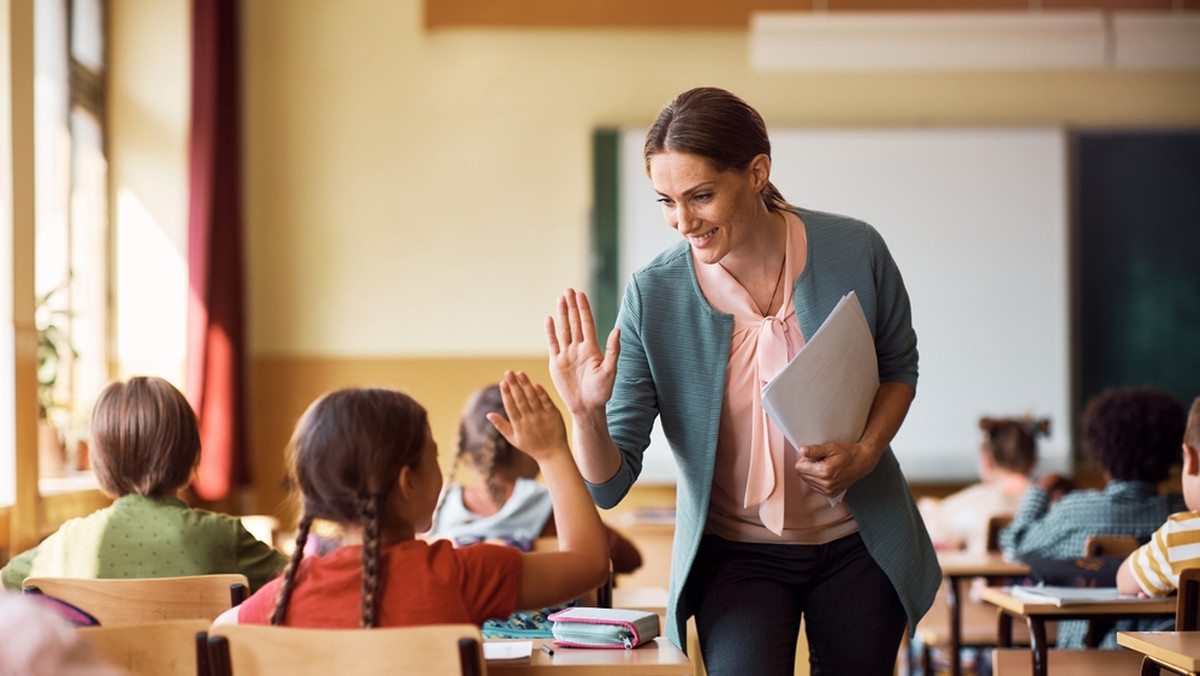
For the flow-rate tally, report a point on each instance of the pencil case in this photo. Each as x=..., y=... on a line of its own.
x=584, y=627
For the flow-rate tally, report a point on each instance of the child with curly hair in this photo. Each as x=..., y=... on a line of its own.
x=1133, y=435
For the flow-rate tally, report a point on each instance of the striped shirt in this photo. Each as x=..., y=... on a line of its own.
x=1175, y=546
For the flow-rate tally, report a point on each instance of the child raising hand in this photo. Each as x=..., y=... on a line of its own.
x=365, y=459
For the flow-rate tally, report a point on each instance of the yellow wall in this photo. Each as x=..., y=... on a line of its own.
x=415, y=201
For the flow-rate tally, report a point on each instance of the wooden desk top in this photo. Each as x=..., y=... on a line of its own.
x=963, y=564
x=1003, y=598
x=1176, y=648
x=657, y=658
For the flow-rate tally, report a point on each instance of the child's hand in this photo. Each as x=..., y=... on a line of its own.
x=534, y=424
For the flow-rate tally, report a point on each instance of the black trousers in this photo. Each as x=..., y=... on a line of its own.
x=748, y=600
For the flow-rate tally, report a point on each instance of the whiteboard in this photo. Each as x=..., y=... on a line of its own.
x=976, y=219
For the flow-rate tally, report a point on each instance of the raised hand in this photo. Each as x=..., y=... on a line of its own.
x=582, y=373
x=534, y=423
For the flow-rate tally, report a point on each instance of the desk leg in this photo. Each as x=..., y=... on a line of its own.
x=953, y=598
x=1003, y=630
x=1037, y=643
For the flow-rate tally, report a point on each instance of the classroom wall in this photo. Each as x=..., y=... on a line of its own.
x=415, y=201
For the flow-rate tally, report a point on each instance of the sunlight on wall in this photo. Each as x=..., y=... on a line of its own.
x=151, y=295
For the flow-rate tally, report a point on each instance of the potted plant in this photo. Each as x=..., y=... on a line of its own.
x=54, y=352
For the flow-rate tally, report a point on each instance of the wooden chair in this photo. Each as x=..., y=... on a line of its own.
x=257, y=650
x=134, y=600
x=1187, y=608
x=163, y=648
x=1106, y=545
x=996, y=524
x=1110, y=545
x=978, y=629
x=1087, y=662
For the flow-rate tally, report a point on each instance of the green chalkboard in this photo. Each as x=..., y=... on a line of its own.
x=1137, y=247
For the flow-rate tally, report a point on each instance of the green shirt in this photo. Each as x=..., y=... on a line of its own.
x=139, y=536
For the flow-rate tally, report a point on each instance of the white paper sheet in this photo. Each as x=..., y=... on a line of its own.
x=498, y=651
x=825, y=392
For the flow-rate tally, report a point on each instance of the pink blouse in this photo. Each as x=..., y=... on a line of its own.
x=757, y=495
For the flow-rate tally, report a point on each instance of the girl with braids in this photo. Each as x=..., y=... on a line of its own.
x=1007, y=456
x=365, y=459
x=506, y=502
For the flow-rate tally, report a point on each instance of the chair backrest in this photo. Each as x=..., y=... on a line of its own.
x=1187, y=608
x=133, y=600
x=1109, y=545
x=996, y=524
x=258, y=650
x=163, y=648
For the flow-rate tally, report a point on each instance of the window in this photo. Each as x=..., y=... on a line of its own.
x=71, y=233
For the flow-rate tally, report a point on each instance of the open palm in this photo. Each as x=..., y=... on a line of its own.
x=582, y=373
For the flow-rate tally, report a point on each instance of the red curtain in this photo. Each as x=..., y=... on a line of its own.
x=215, y=305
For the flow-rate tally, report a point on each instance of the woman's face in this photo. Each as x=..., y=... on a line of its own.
x=713, y=210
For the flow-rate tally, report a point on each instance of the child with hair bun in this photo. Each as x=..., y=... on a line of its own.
x=1007, y=456
x=366, y=460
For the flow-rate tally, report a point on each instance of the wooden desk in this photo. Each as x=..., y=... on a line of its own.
x=1177, y=650
x=657, y=658
x=1037, y=613
x=960, y=566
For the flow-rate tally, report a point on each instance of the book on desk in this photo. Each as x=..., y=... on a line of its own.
x=1072, y=596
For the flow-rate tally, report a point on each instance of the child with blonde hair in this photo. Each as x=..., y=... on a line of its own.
x=366, y=459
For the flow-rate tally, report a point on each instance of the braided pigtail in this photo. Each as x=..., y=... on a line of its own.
x=284, y=596
x=370, y=560
x=487, y=454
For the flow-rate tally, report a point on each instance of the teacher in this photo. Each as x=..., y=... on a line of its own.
x=759, y=543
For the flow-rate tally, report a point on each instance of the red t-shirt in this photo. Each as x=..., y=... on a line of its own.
x=419, y=583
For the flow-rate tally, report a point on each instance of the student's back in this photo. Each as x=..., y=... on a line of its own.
x=145, y=443
x=1133, y=435
x=1007, y=456
x=365, y=459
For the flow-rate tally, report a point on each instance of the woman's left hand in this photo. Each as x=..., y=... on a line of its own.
x=832, y=468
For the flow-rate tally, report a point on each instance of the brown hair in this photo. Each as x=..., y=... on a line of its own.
x=1191, y=435
x=346, y=455
x=1012, y=442
x=479, y=442
x=145, y=438
x=717, y=125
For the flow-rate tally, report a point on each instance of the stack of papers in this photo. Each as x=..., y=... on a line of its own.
x=1072, y=596
x=825, y=393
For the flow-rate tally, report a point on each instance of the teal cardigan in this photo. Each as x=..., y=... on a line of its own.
x=674, y=350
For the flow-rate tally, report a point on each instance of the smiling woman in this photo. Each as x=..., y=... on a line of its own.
x=674, y=353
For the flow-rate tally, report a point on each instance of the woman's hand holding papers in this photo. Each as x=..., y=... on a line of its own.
x=832, y=468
